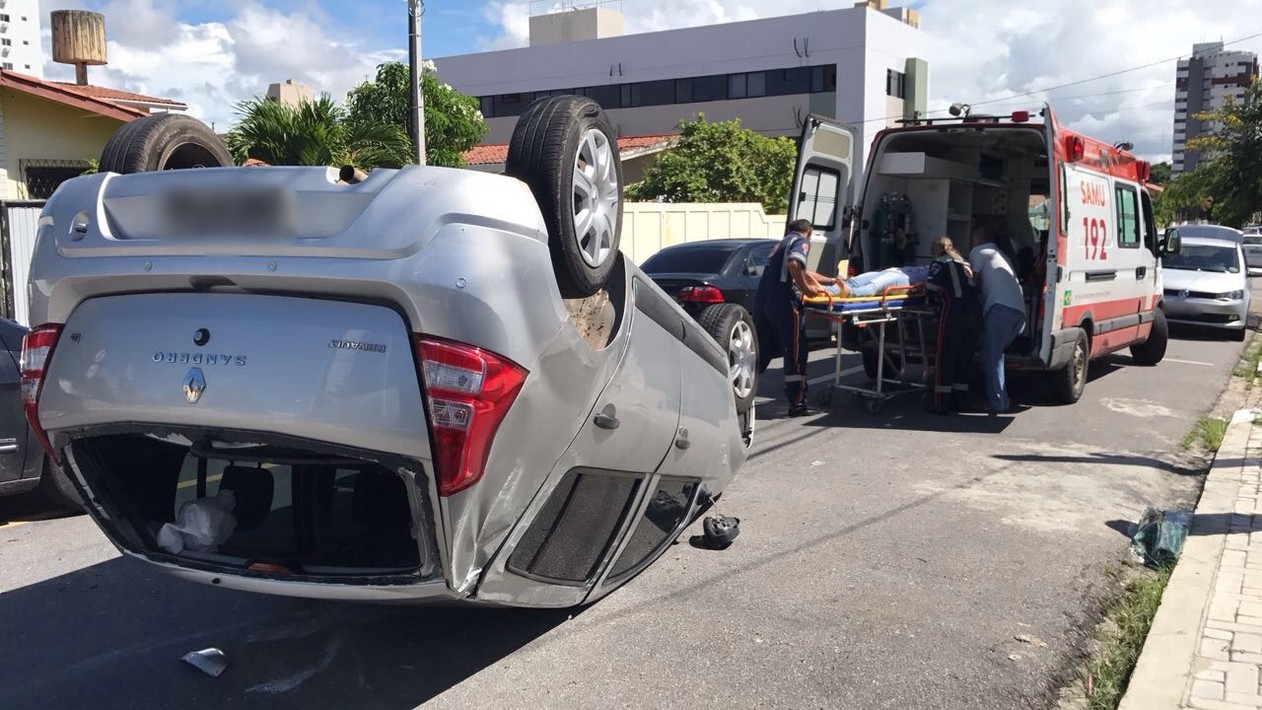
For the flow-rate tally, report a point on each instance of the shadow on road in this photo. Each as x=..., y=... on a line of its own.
x=27, y=507
x=113, y=634
x=1187, y=469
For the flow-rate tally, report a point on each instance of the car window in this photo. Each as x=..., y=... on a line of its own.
x=698, y=259
x=1253, y=239
x=1203, y=257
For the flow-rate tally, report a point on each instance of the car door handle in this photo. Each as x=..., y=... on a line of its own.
x=1140, y=271
x=606, y=420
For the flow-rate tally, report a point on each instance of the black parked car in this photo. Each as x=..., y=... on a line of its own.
x=715, y=282
x=23, y=464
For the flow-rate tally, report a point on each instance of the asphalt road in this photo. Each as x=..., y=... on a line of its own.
x=885, y=561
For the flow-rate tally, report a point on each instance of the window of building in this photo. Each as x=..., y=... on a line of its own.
x=747, y=86
x=4, y=17
x=607, y=96
x=683, y=91
x=895, y=84
x=42, y=177
x=28, y=66
x=782, y=82
x=7, y=65
x=736, y=86
x=26, y=42
x=824, y=78
x=5, y=42
x=710, y=88
x=1127, y=216
x=653, y=93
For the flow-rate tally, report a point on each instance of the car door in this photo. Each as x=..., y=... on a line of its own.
x=13, y=428
x=749, y=272
x=569, y=533
x=822, y=185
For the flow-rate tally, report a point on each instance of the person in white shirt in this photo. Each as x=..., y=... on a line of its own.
x=1003, y=309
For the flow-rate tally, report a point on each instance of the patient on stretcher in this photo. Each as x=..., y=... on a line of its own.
x=875, y=283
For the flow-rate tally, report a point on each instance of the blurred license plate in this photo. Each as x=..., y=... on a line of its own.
x=227, y=213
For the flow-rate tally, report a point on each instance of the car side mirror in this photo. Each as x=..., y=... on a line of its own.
x=1171, y=243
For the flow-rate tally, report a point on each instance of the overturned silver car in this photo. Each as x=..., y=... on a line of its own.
x=422, y=384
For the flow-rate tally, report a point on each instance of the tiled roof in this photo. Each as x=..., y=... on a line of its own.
x=101, y=92
x=497, y=154
x=70, y=95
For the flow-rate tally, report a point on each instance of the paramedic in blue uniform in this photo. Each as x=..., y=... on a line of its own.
x=951, y=285
x=778, y=316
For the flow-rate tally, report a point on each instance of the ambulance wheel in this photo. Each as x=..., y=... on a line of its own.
x=1069, y=382
x=566, y=150
x=893, y=365
x=165, y=141
x=1153, y=349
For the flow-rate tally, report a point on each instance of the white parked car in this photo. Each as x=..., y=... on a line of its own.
x=1206, y=285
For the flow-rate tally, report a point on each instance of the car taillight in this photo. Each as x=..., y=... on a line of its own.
x=469, y=392
x=37, y=348
x=700, y=294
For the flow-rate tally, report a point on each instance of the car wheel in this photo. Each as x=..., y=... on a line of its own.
x=566, y=150
x=733, y=329
x=1239, y=334
x=57, y=491
x=1151, y=351
x=166, y=141
x=1069, y=382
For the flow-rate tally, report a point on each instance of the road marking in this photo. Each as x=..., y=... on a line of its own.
x=1190, y=362
x=828, y=378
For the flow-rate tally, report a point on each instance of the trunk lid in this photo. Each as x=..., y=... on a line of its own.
x=328, y=371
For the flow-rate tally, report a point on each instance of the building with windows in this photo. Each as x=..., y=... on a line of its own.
x=865, y=65
x=20, y=37
x=1203, y=82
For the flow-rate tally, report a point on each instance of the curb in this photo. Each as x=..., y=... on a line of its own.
x=1163, y=675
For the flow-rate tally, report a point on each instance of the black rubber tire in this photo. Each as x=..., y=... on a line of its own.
x=167, y=141
x=719, y=321
x=1239, y=335
x=1069, y=382
x=56, y=490
x=1151, y=351
x=893, y=365
x=542, y=153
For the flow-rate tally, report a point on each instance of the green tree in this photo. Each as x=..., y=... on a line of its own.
x=1233, y=147
x=314, y=133
x=1160, y=173
x=721, y=162
x=453, y=123
x=1190, y=196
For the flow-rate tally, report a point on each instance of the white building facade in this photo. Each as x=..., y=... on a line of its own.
x=20, y=37
x=866, y=66
x=1203, y=83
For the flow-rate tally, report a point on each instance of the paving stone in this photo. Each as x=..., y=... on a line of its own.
x=1208, y=690
x=1217, y=634
x=1249, y=620
x=1250, y=609
x=1212, y=676
x=1243, y=681
x=1247, y=643
x=1216, y=649
x=1207, y=704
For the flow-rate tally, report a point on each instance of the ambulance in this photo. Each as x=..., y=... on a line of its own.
x=1078, y=213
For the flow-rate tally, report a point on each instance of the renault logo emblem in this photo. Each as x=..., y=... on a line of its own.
x=194, y=385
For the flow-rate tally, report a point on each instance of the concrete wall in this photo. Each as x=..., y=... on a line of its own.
x=649, y=226
x=36, y=128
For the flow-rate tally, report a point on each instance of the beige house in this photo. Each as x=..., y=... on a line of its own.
x=50, y=130
x=637, y=153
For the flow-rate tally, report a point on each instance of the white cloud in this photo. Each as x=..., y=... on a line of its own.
x=214, y=65
x=987, y=50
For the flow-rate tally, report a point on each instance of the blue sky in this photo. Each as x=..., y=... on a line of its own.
x=212, y=55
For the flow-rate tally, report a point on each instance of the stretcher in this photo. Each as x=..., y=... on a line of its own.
x=903, y=307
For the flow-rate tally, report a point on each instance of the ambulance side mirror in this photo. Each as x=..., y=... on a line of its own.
x=1171, y=243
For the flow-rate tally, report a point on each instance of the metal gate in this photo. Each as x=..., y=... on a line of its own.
x=19, y=223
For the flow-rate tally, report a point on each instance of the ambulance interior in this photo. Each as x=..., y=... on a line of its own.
x=938, y=180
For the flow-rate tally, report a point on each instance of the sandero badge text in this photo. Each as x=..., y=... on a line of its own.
x=212, y=359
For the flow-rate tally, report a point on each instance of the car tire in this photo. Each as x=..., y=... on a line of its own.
x=1069, y=382
x=1151, y=351
x=732, y=328
x=557, y=139
x=1239, y=334
x=56, y=490
x=167, y=141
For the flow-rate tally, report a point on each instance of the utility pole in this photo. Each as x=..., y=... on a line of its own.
x=416, y=106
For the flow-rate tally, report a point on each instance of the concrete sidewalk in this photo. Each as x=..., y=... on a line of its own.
x=1205, y=646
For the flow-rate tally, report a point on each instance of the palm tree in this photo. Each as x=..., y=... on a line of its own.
x=314, y=133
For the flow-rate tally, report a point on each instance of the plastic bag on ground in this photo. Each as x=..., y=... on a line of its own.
x=1160, y=535
x=202, y=525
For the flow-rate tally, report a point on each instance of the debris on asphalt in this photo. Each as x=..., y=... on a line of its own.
x=210, y=661
x=1014, y=657
x=719, y=532
x=1159, y=536
x=1032, y=640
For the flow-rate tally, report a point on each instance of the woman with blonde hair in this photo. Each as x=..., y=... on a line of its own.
x=952, y=287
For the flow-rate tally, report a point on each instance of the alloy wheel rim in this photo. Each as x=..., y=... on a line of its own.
x=741, y=358
x=595, y=187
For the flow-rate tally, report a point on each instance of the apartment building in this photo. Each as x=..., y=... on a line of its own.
x=865, y=65
x=20, y=37
x=1203, y=82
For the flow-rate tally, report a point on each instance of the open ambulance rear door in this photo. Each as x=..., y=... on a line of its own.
x=821, y=191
